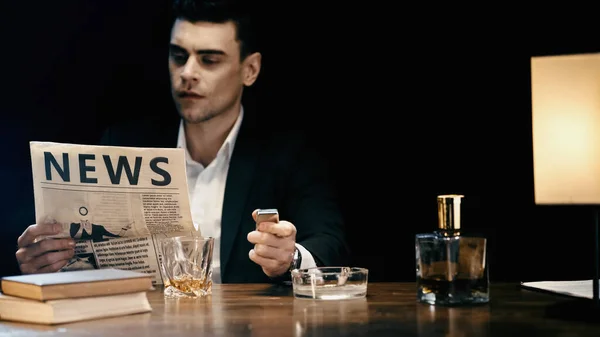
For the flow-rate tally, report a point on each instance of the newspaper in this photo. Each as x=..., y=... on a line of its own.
x=116, y=202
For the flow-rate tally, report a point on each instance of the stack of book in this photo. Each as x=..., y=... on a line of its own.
x=64, y=297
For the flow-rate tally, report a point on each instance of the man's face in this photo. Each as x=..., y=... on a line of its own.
x=207, y=77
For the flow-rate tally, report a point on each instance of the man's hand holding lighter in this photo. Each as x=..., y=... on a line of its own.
x=274, y=244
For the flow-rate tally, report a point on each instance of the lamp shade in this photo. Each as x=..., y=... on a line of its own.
x=565, y=94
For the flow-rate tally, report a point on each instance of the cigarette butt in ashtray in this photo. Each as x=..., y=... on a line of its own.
x=343, y=277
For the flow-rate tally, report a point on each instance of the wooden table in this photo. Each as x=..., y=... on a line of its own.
x=389, y=310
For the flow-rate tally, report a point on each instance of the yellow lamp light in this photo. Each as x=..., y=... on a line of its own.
x=565, y=94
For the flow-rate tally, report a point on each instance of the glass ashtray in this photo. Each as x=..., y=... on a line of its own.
x=330, y=283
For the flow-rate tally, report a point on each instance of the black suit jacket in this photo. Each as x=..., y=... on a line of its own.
x=268, y=169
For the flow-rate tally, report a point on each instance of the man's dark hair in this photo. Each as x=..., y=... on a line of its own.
x=221, y=11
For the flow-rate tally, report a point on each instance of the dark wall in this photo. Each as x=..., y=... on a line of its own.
x=407, y=107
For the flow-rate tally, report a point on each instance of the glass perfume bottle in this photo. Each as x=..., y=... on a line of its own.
x=451, y=264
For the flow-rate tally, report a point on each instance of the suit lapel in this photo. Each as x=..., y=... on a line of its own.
x=237, y=188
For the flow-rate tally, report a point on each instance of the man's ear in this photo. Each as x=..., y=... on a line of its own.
x=251, y=68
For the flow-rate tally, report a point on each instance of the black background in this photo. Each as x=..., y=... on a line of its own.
x=407, y=102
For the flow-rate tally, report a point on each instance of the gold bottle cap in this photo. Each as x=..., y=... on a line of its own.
x=449, y=211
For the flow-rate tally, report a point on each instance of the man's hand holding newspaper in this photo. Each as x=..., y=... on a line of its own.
x=43, y=256
x=104, y=207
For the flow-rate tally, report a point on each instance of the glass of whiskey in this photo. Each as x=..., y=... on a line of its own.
x=451, y=265
x=187, y=264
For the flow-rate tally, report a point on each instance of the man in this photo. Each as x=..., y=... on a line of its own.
x=85, y=230
x=234, y=164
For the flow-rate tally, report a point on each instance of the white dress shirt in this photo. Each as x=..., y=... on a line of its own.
x=206, y=190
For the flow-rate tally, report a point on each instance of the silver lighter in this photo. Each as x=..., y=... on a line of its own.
x=267, y=215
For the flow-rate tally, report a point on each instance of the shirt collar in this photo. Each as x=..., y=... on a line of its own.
x=86, y=225
x=226, y=147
